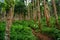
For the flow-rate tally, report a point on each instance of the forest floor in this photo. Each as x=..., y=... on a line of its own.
x=41, y=36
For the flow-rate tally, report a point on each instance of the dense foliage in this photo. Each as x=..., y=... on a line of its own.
x=22, y=30
x=23, y=17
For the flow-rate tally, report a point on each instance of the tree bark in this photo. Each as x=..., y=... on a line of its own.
x=46, y=13
x=9, y=23
x=28, y=13
x=55, y=11
x=34, y=10
x=39, y=14
x=20, y=16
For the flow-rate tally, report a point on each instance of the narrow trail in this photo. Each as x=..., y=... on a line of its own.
x=41, y=36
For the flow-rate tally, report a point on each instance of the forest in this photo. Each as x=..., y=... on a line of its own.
x=29, y=19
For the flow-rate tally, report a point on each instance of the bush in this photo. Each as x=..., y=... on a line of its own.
x=18, y=32
x=21, y=30
x=2, y=30
x=52, y=32
x=30, y=24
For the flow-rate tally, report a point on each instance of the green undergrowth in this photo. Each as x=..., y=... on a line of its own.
x=52, y=32
x=22, y=30
x=18, y=32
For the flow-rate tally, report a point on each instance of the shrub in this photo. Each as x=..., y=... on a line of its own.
x=53, y=32
x=2, y=30
x=18, y=32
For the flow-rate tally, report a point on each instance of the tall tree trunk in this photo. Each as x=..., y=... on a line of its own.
x=55, y=11
x=9, y=23
x=28, y=13
x=20, y=16
x=27, y=16
x=34, y=10
x=46, y=13
x=34, y=15
x=39, y=14
x=31, y=13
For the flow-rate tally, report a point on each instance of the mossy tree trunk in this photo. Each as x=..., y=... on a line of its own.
x=46, y=13
x=34, y=10
x=55, y=11
x=9, y=23
x=39, y=14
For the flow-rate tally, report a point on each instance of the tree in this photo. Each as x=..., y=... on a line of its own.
x=9, y=19
x=55, y=11
x=39, y=14
x=46, y=13
x=28, y=13
x=30, y=10
x=34, y=9
x=2, y=10
x=20, y=9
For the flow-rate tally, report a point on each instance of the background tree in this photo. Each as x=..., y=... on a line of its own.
x=20, y=9
x=55, y=11
x=46, y=13
x=39, y=13
x=2, y=11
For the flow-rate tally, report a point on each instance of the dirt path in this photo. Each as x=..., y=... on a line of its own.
x=41, y=36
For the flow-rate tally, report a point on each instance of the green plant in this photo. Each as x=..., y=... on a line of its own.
x=2, y=30
x=52, y=31
x=18, y=32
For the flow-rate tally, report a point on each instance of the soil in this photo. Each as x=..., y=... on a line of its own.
x=41, y=36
